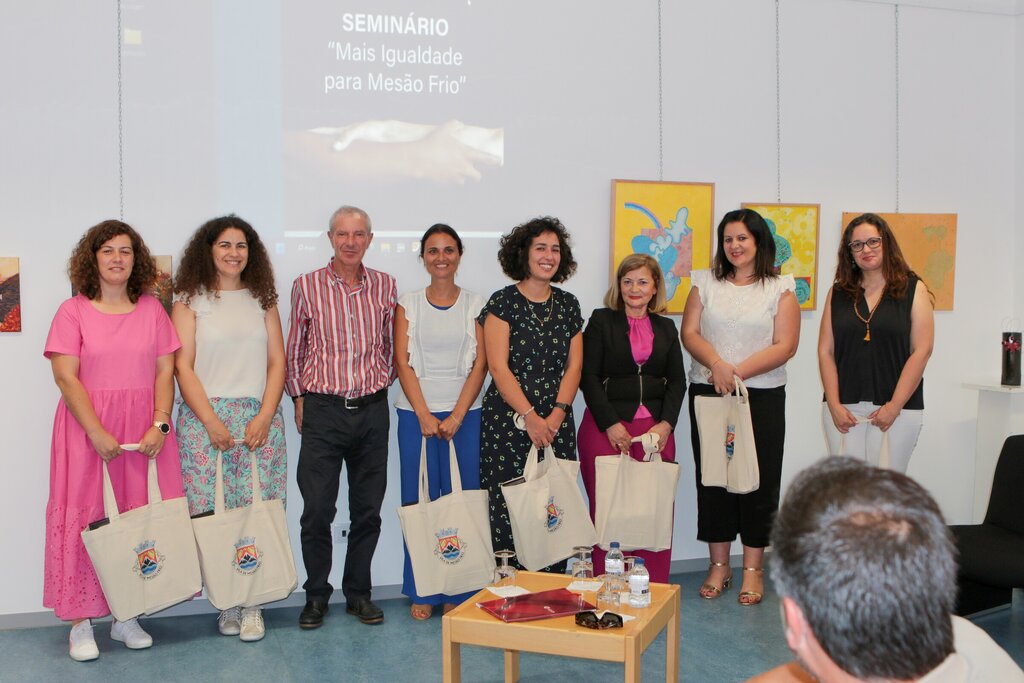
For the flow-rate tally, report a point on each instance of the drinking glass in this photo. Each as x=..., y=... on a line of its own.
x=504, y=573
x=628, y=562
x=612, y=586
x=582, y=568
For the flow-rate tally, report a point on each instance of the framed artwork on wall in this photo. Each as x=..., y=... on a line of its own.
x=164, y=290
x=795, y=227
x=673, y=222
x=10, y=294
x=928, y=243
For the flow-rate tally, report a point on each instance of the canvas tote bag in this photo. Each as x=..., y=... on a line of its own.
x=449, y=539
x=728, y=456
x=245, y=553
x=635, y=499
x=145, y=558
x=546, y=508
x=884, y=457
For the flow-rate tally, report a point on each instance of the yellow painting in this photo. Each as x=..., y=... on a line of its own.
x=795, y=227
x=928, y=243
x=671, y=222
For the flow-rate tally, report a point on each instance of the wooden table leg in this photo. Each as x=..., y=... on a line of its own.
x=511, y=666
x=632, y=662
x=672, y=645
x=451, y=659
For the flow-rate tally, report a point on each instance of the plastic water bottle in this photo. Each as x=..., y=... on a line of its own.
x=639, y=585
x=614, y=562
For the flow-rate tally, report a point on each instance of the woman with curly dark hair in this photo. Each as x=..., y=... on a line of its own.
x=230, y=370
x=876, y=337
x=534, y=345
x=111, y=348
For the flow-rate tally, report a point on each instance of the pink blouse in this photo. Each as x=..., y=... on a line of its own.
x=641, y=341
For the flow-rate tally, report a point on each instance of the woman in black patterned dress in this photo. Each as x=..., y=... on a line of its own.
x=532, y=334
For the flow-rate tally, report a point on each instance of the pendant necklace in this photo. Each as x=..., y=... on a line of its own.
x=551, y=309
x=871, y=313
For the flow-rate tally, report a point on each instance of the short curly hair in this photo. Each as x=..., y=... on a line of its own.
x=514, y=252
x=197, y=273
x=84, y=272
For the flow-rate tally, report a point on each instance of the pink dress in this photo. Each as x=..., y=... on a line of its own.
x=117, y=354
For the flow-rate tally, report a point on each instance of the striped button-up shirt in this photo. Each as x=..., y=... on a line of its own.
x=339, y=337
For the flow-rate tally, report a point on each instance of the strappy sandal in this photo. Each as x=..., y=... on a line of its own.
x=421, y=612
x=755, y=597
x=710, y=592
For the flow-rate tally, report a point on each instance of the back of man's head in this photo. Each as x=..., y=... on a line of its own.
x=866, y=556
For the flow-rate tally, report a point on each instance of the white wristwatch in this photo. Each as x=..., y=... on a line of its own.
x=163, y=427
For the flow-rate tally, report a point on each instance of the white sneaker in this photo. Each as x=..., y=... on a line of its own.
x=81, y=644
x=229, y=621
x=251, y=628
x=131, y=634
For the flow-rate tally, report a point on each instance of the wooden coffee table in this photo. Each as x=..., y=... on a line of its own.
x=467, y=624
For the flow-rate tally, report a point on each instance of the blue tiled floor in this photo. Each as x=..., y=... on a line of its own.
x=721, y=641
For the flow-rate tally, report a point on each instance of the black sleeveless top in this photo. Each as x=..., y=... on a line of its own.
x=869, y=370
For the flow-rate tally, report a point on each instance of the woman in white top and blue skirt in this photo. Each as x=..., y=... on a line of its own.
x=741, y=320
x=439, y=356
x=230, y=371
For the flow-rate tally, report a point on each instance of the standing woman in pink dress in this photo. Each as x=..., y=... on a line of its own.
x=111, y=348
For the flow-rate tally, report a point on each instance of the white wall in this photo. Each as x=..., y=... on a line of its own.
x=962, y=151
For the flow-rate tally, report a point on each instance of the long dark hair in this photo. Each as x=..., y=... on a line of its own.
x=894, y=267
x=764, y=259
x=196, y=272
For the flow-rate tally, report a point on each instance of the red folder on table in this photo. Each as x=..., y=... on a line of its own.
x=543, y=605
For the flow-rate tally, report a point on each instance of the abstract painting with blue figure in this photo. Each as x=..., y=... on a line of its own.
x=784, y=252
x=663, y=246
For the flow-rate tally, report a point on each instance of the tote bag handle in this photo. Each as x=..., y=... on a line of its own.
x=533, y=469
x=110, y=502
x=218, y=490
x=453, y=468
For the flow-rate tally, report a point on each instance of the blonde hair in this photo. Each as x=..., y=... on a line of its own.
x=657, y=304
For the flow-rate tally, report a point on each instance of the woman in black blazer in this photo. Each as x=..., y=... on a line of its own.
x=633, y=381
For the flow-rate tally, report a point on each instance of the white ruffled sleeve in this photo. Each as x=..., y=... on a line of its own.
x=783, y=283
x=699, y=279
x=411, y=302
x=200, y=304
x=474, y=304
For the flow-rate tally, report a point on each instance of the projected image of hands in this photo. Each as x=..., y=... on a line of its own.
x=450, y=153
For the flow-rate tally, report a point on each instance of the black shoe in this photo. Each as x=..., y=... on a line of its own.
x=367, y=612
x=313, y=614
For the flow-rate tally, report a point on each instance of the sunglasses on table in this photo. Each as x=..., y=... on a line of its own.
x=590, y=620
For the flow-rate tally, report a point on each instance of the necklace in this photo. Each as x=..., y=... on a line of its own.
x=871, y=313
x=551, y=309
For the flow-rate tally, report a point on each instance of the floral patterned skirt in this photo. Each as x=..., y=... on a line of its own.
x=199, y=458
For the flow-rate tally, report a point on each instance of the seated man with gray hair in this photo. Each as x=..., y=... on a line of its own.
x=865, y=568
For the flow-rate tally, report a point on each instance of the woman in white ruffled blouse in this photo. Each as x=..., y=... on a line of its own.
x=741, y=320
x=439, y=356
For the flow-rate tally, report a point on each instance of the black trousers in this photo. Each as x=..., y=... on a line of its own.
x=722, y=515
x=331, y=436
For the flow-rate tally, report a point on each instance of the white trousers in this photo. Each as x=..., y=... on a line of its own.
x=864, y=441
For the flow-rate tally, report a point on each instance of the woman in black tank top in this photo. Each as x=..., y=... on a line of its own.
x=877, y=333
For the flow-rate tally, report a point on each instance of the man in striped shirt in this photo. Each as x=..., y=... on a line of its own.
x=339, y=370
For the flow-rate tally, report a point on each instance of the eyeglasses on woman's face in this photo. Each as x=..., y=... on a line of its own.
x=871, y=243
